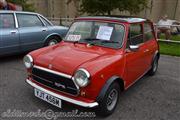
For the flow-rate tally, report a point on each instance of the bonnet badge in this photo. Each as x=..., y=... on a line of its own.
x=50, y=66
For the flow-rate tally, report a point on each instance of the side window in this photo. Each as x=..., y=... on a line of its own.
x=7, y=21
x=135, y=34
x=148, y=32
x=45, y=21
x=28, y=20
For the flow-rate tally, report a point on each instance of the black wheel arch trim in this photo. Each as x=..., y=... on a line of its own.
x=107, y=85
x=156, y=54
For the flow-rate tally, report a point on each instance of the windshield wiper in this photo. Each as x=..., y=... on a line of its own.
x=75, y=42
x=92, y=39
x=105, y=41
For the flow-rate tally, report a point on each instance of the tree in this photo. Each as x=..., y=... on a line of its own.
x=25, y=6
x=134, y=6
x=96, y=7
x=76, y=3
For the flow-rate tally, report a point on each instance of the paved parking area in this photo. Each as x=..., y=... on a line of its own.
x=151, y=98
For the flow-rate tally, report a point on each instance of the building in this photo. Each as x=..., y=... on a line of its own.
x=66, y=9
x=41, y=6
x=158, y=8
x=55, y=8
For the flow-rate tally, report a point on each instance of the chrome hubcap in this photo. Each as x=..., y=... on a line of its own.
x=112, y=99
x=155, y=65
x=52, y=42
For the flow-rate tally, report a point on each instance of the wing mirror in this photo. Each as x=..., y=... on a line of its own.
x=134, y=47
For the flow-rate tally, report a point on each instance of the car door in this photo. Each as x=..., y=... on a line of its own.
x=149, y=43
x=9, y=35
x=32, y=31
x=135, y=64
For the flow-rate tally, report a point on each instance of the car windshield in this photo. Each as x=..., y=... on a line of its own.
x=104, y=34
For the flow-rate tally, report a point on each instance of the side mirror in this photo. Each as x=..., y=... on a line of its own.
x=134, y=47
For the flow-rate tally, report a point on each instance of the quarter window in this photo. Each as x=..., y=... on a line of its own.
x=27, y=20
x=148, y=32
x=135, y=34
x=7, y=21
x=46, y=22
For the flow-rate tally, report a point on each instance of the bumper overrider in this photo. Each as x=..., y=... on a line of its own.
x=67, y=99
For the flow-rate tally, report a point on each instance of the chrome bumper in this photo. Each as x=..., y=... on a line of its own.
x=76, y=102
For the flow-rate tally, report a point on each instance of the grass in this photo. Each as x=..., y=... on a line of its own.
x=172, y=49
x=173, y=37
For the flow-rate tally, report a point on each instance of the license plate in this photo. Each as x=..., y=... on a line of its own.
x=48, y=98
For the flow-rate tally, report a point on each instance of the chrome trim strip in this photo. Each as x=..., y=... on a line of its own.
x=45, y=19
x=52, y=71
x=75, y=83
x=44, y=25
x=76, y=102
x=16, y=21
x=31, y=59
x=84, y=70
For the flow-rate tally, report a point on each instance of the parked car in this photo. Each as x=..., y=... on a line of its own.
x=99, y=58
x=26, y=31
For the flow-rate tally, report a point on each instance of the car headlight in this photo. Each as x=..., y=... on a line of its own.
x=81, y=77
x=28, y=61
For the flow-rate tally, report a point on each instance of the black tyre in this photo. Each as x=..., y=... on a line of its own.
x=154, y=66
x=52, y=41
x=108, y=104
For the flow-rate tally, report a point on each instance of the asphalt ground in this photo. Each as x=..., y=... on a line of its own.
x=151, y=98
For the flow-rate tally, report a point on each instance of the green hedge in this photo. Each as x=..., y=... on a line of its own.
x=173, y=37
x=170, y=48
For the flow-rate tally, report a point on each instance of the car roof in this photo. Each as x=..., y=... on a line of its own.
x=127, y=19
x=10, y=11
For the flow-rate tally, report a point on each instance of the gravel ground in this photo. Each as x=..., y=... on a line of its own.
x=151, y=98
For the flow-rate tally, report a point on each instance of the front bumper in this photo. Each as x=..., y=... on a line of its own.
x=70, y=100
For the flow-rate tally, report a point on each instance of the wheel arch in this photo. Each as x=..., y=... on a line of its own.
x=104, y=89
x=52, y=35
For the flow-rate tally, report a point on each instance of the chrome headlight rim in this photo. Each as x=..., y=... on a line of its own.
x=86, y=81
x=30, y=61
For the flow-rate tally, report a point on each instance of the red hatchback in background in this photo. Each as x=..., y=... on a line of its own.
x=99, y=58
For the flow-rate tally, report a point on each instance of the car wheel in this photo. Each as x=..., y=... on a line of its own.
x=52, y=41
x=108, y=104
x=154, y=66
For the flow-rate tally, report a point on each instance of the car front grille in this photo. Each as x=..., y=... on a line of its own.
x=54, y=81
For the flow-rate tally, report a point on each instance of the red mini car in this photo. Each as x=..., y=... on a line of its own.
x=99, y=58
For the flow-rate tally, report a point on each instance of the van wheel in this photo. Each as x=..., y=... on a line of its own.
x=154, y=67
x=52, y=41
x=108, y=104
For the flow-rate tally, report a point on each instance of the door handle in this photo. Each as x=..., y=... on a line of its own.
x=13, y=32
x=44, y=30
x=147, y=50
